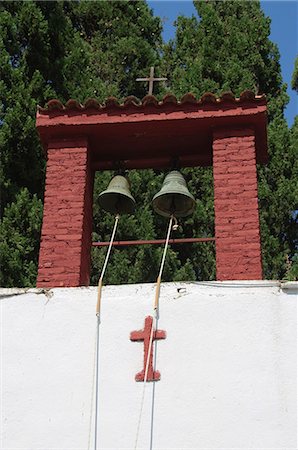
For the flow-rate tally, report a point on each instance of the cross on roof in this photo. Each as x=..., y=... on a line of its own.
x=151, y=80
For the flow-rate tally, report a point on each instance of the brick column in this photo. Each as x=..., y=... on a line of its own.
x=64, y=258
x=237, y=229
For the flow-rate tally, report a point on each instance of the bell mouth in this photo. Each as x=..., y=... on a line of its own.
x=116, y=203
x=178, y=205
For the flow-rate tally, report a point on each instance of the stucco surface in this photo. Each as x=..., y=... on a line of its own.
x=228, y=367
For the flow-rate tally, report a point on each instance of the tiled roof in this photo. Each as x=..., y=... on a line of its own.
x=150, y=100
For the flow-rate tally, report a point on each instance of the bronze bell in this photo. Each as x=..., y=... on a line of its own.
x=117, y=198
x=174, y=198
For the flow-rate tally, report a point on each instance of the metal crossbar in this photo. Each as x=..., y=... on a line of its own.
x=154, y=242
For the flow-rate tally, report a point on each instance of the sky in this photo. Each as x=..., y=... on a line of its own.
x=284, y=33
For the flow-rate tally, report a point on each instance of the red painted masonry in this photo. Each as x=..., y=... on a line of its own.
x=228, y=132
x=64, y=258
x=237, y=229
x=144, y=335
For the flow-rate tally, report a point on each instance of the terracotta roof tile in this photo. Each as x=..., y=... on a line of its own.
x=227, y=97
x=247, y=95
x=92, y=103
x=188, y=98
x=111, y=102
x=170, y=98
x=132, y=100
x=73, y=105
x=53, y=105
x=150, y=100
x=208, y=97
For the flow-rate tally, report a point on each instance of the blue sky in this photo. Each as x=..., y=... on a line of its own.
x=284, y=32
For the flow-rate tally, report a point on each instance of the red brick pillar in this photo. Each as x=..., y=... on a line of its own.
x=237, y=229
x=64, y=258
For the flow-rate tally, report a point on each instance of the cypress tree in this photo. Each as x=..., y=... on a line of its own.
x=295, y=76
x=31, y=54
x=61, y=50
x=82, y=49
x=228, y=49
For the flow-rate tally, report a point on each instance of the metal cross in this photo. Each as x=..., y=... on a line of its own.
x=151, y=80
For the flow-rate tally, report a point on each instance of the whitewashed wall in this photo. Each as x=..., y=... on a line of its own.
x=228, y=367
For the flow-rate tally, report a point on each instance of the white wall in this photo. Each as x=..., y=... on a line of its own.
x=228, y=367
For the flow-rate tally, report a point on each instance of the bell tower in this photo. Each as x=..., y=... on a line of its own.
x=227, y=132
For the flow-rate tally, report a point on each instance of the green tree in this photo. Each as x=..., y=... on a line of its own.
x=63, y=50
x=125, y=40
x=228, y=49
x=81, y=49
x=292, y=258
x=31, y=49
x=19, y=230
x=295, y=76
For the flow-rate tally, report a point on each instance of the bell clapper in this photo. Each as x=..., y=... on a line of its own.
x=176, y=224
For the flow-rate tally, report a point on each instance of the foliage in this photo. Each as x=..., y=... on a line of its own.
x=62, y=50
x=20, y=234
x=31, y=48
x=295, y=76
x=228, y=48
x=80, y=49
x=124, y=39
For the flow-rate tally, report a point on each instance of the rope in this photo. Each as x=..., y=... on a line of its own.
x=153, y=390
x=166, y=246
x=98, y=308
x=156, y=311
x=105, y=266
x=174, y=227
x=144, y=388
x=92, y=390
x=96, y=382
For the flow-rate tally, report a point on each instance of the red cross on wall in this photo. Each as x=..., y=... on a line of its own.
x=144, y=335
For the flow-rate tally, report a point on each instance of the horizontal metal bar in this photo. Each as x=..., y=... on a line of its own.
x=154, y=242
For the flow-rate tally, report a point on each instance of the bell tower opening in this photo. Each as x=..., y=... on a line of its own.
x=139, y=236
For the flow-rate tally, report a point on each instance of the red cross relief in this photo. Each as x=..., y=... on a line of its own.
x=144, y=335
